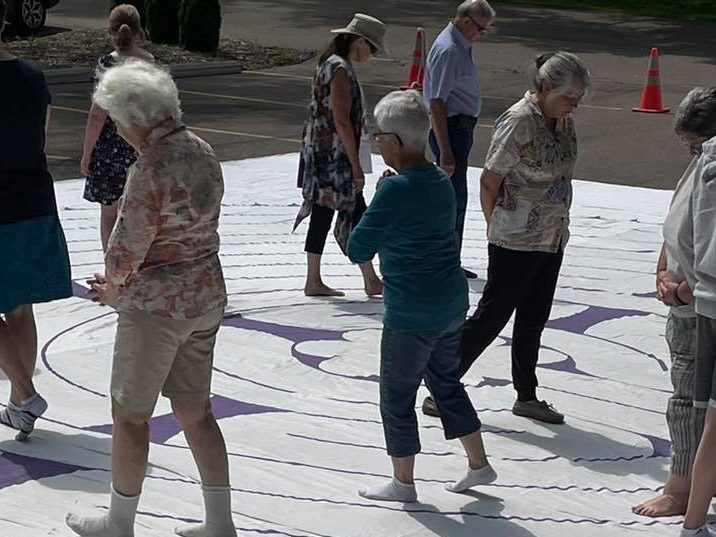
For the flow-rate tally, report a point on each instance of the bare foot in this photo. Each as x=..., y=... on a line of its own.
x=321, y=290
x=374, y=288
x=663, y=505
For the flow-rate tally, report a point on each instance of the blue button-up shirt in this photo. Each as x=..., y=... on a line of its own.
x=451, y=76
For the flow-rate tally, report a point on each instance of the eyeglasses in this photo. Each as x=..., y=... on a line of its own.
x=378, y=134
x=480, y=28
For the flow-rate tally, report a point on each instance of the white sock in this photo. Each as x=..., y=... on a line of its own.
x=392, y=491
x=473, y=478
x=218, y=519
x=118, y=522
x=703, y=531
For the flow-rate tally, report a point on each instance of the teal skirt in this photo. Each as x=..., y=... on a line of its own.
x=34, y=263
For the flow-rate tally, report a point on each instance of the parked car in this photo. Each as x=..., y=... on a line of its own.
x=26, y=17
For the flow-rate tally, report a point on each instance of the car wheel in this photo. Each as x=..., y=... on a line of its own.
x=30, y=16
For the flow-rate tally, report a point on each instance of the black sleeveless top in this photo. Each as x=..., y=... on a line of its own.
x=26, y=189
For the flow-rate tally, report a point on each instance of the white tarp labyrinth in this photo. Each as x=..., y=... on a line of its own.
x=295, y=388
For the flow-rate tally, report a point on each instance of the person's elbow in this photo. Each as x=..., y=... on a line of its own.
x=356, y=253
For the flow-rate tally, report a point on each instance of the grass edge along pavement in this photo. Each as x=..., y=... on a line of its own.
x=702, y=10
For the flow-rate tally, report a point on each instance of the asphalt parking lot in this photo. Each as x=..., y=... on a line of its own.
x=259, y=113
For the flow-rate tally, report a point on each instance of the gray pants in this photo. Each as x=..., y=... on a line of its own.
x=685, y=421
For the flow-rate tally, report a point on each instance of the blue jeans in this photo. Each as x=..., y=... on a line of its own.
x=406, y=358
x=460, y=132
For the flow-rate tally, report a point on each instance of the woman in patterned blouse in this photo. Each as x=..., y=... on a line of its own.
x=162, y=273
x=331, y=175
x=526, y=193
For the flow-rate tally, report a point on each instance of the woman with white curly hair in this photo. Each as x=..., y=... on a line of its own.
x=162, y=273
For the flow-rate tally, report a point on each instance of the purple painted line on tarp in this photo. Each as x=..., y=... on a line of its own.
x=166, y=426
x=298, y=335
x=463, y=513
x=580, y=322
x=650, y=294
x=255, y=383
x=18, y=469
x=493, y=382
x=364, y=446
x=295, y=334
x=568, y=365
x=46, y=361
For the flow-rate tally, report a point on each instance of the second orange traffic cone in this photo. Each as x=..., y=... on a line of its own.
x=651, y=96
x=417, y=69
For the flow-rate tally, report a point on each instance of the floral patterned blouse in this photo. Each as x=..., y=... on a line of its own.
x=532, y=210
x=326, y=177
x=163, y=252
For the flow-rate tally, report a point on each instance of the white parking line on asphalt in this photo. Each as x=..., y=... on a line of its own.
x=385, y=86
x=240, y=98
x=266, y=101
x=195, y=128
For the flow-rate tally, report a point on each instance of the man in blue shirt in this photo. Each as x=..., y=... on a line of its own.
x=411, y=224
x=452, y=92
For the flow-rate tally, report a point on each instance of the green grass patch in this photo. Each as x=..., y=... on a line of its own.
x=670, y=9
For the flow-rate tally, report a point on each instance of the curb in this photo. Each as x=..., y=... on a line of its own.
x=81, y=75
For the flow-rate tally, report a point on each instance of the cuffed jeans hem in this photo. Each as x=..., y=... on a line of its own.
x=452, y=435
x=402, y=453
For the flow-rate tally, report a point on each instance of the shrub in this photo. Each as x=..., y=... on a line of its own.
x=200, y=25
x=162, y=20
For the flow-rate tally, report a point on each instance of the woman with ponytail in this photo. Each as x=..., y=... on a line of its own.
x=526, y=193
x=106, y=156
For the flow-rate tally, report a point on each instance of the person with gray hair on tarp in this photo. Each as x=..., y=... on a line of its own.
x=526, y=193
x=695, y=123
x=410, y=224
x=162, y=273
x=697, y=258
x=453, y=94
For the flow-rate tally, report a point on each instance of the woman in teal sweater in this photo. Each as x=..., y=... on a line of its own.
x=411, y=225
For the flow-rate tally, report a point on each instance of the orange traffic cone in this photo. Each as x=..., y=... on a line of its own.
x=417, y=70
x=651, y=96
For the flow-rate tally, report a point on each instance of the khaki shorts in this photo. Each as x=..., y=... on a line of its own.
x=154, y=354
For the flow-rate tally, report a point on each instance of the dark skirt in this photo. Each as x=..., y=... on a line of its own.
x=111, y=158
x=36, y=265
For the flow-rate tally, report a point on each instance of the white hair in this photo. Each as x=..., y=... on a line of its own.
x=138, y=94
x=480, y=9
x=562, y=71
x=405, y=114
x=697, y=113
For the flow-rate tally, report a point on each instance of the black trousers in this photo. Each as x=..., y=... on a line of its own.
x=460, y=133
x=320, y=224
x=517, y=282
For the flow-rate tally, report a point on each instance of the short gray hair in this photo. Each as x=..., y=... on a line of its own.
x=562, y=70
x=405, y=114
x=697, y=113
x=479, y=9
x=138, y=94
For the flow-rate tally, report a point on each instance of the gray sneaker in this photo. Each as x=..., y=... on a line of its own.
x=22, y=417
x=537, y=410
